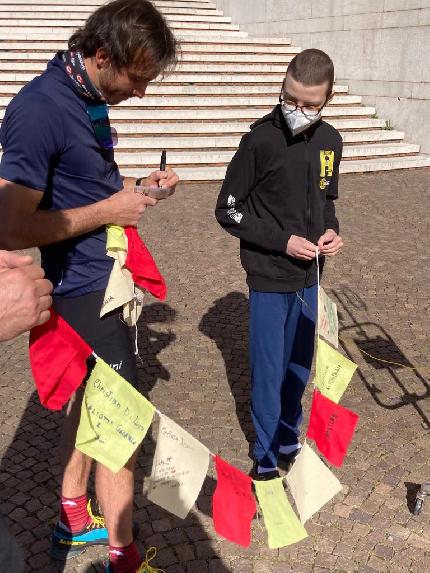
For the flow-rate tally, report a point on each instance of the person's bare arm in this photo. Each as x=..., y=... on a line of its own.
x=23, y=225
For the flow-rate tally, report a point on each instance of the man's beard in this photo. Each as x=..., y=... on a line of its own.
x=111, y=94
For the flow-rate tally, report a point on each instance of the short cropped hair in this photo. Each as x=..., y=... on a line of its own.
x=131, y=32
x=312, y=67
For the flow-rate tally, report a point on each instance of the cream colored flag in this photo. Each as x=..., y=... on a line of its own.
x=120, y=289
x=311, y=483
x=327, y=318
x=133, y=309
x=179, y=469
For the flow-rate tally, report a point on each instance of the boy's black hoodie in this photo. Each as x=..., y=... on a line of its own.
x=276, y=186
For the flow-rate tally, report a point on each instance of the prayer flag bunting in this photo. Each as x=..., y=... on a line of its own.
x=333, y=371
x=332, y=428
x=58, y=358
x=142, y=266
x=233, y=504
x=282, y=524
x=311, y=483
x=327, y=318
x=114, y=418
x=179, y=469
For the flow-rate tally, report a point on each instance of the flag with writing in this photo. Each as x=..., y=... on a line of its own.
x=179, y=469
x=233, y=504
x=331, y=427
x=115, y=418
x=333, y=371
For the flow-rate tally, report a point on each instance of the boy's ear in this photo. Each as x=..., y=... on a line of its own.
x=330, y=97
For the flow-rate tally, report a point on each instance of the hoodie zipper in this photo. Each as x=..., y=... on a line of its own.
x=308, y=203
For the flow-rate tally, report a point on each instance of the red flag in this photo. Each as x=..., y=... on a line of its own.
x=58, y=358
x=142, y=266
x=332, y=427
x=233, y=504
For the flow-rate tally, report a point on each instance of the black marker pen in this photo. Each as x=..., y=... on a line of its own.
x=163, y=160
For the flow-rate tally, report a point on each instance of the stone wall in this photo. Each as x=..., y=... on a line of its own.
x=381, y=49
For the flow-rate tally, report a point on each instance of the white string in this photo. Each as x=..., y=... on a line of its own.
x=318, y=292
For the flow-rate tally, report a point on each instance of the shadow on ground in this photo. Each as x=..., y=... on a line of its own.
x=226, y=323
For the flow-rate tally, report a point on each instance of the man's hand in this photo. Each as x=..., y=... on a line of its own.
x=11, y=260
x=126, y=207
x=301, y=248
x=26, y=299
x=330, y=243
x=166, y=178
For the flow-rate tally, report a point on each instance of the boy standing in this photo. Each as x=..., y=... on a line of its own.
x=278, y=199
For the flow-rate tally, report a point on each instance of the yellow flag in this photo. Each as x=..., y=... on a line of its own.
x=114, y=418
x=333, y=371
x=115, y=238
x=282, y=524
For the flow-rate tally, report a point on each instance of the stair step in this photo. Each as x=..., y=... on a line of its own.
x=216, y=114
x=66, y=24
x=217, y=173
x=96, y=3
x=385, y=164
x=210, y=47
x=183, y=67
x=56, y=33
x=228, y=127
x=28, y=11
x=214, y=142
x=20, y=58
x=163, y=89
x=198, y=37
x=167, y=102
x=182, y=78
x=187, y=157
x=78, y=18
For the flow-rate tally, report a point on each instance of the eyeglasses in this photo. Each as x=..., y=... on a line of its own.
x=106, y=136
x=307, y=110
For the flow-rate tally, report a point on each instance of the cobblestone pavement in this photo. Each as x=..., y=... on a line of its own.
x=195, y=370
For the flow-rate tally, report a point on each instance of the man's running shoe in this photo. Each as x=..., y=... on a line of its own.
x=66, y=545
x=144, y=567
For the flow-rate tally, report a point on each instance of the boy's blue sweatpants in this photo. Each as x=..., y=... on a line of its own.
x=281, y=348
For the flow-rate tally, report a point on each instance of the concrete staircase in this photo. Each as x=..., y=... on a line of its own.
x=225, y=81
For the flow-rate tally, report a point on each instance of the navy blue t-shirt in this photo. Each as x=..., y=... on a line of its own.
x=49, y=144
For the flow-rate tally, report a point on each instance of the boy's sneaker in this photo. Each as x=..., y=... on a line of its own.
x=263, y=476
x=285, y=461
x=66, y=545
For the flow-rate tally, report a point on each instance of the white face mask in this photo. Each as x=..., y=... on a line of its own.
x=296, y=120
